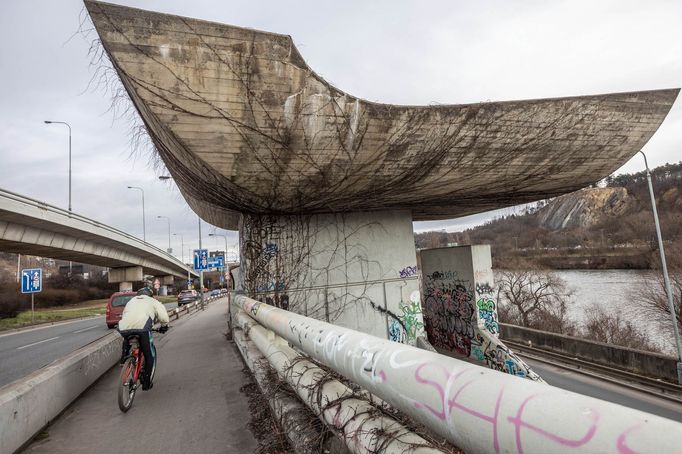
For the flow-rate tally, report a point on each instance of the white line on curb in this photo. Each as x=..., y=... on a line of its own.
x=36, y=343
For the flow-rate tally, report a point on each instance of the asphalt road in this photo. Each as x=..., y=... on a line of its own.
x=195, y=406
x=593, y=387
x=25, y=351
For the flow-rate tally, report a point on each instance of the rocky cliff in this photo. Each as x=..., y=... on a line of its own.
x=584, y=208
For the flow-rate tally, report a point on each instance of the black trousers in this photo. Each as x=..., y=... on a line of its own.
x=148, y=351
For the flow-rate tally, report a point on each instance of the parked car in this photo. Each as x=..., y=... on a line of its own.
x=117, y=302
x=215, y=292
x=223, y=290
x=187, y=297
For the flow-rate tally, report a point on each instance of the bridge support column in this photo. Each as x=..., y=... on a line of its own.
x=460, y=307
x=165, y=281
x=125, y=277
x=357, y=270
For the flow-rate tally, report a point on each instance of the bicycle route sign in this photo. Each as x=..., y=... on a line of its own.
x=31, y=280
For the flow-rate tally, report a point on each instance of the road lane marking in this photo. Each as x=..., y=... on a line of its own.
x=85, y=329
x=36, y=343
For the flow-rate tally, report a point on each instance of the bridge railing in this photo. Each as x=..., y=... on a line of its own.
x=476, y=409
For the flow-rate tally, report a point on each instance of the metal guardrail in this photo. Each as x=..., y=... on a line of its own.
x=477, y=409
x=18, y=198
x=658, y=388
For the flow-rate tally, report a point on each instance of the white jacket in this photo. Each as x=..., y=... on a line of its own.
x=140, y=310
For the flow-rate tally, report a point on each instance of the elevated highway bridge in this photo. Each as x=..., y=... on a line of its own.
x=29, y=226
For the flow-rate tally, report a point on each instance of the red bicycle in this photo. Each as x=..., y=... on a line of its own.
x=132, y=371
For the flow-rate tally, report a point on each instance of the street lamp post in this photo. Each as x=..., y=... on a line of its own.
x=49, y=122
x=201, y=272
x=182, y=253
x=144, y=228
x=666, y=279
x=170, y=249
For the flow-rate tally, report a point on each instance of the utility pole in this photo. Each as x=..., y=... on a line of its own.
x=666, y=279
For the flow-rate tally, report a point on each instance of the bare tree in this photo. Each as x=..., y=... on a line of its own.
x=650, y=302
x=613, y=328
x=535, y=299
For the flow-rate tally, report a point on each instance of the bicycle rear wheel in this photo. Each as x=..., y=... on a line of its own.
x=127, y=387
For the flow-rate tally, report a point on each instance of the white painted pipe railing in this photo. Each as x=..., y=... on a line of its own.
x=357, y=422
x=477, y=409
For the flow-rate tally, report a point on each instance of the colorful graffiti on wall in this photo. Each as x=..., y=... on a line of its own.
x=462, y=318
x=449, y=313
x=404, y=327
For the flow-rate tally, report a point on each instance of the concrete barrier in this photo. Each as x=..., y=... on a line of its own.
x=28, y=404
x=637, y=361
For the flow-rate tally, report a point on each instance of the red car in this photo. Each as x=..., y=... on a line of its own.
x=117, y=302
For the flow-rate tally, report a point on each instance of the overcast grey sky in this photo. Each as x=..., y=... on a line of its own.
x=405, y=52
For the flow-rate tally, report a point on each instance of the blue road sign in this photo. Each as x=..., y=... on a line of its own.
x=201, y=259
x=216, y=262
x=31, y=280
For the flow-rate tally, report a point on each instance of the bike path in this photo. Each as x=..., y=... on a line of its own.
x=195, y=405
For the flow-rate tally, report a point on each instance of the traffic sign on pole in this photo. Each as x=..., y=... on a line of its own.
x=216, y=262
x=201, y=259
x=31, y=280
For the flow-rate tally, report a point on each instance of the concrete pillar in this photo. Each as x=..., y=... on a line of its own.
x=133, y=273
x=125, y=287
x=460, y=307
x=355, y=270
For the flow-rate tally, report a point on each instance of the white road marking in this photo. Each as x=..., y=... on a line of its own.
x=84, y=329
x=39, y=342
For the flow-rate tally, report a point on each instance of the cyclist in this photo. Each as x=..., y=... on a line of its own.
x=138, y=318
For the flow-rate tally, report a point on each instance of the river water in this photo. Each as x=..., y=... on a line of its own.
x=612, y=290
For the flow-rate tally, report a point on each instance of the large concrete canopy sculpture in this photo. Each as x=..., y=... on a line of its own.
x=245, y=126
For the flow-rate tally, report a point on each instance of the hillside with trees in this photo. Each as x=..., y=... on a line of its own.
x=609, y=225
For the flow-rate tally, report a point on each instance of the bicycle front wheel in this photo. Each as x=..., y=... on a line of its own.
x=127, y=386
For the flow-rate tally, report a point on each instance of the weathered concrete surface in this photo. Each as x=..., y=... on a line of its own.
x=245, y=126
x=195, y=405
x=637, y=361
x=32, y=227
x=357, y=270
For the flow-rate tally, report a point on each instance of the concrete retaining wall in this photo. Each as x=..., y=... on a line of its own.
x=27, y=405
x=637, y=361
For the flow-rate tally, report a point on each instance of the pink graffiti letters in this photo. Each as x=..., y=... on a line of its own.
x=518, y=422
x=621, y=444
x=491, y=419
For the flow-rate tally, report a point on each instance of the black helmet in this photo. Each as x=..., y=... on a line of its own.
x=145, y=291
